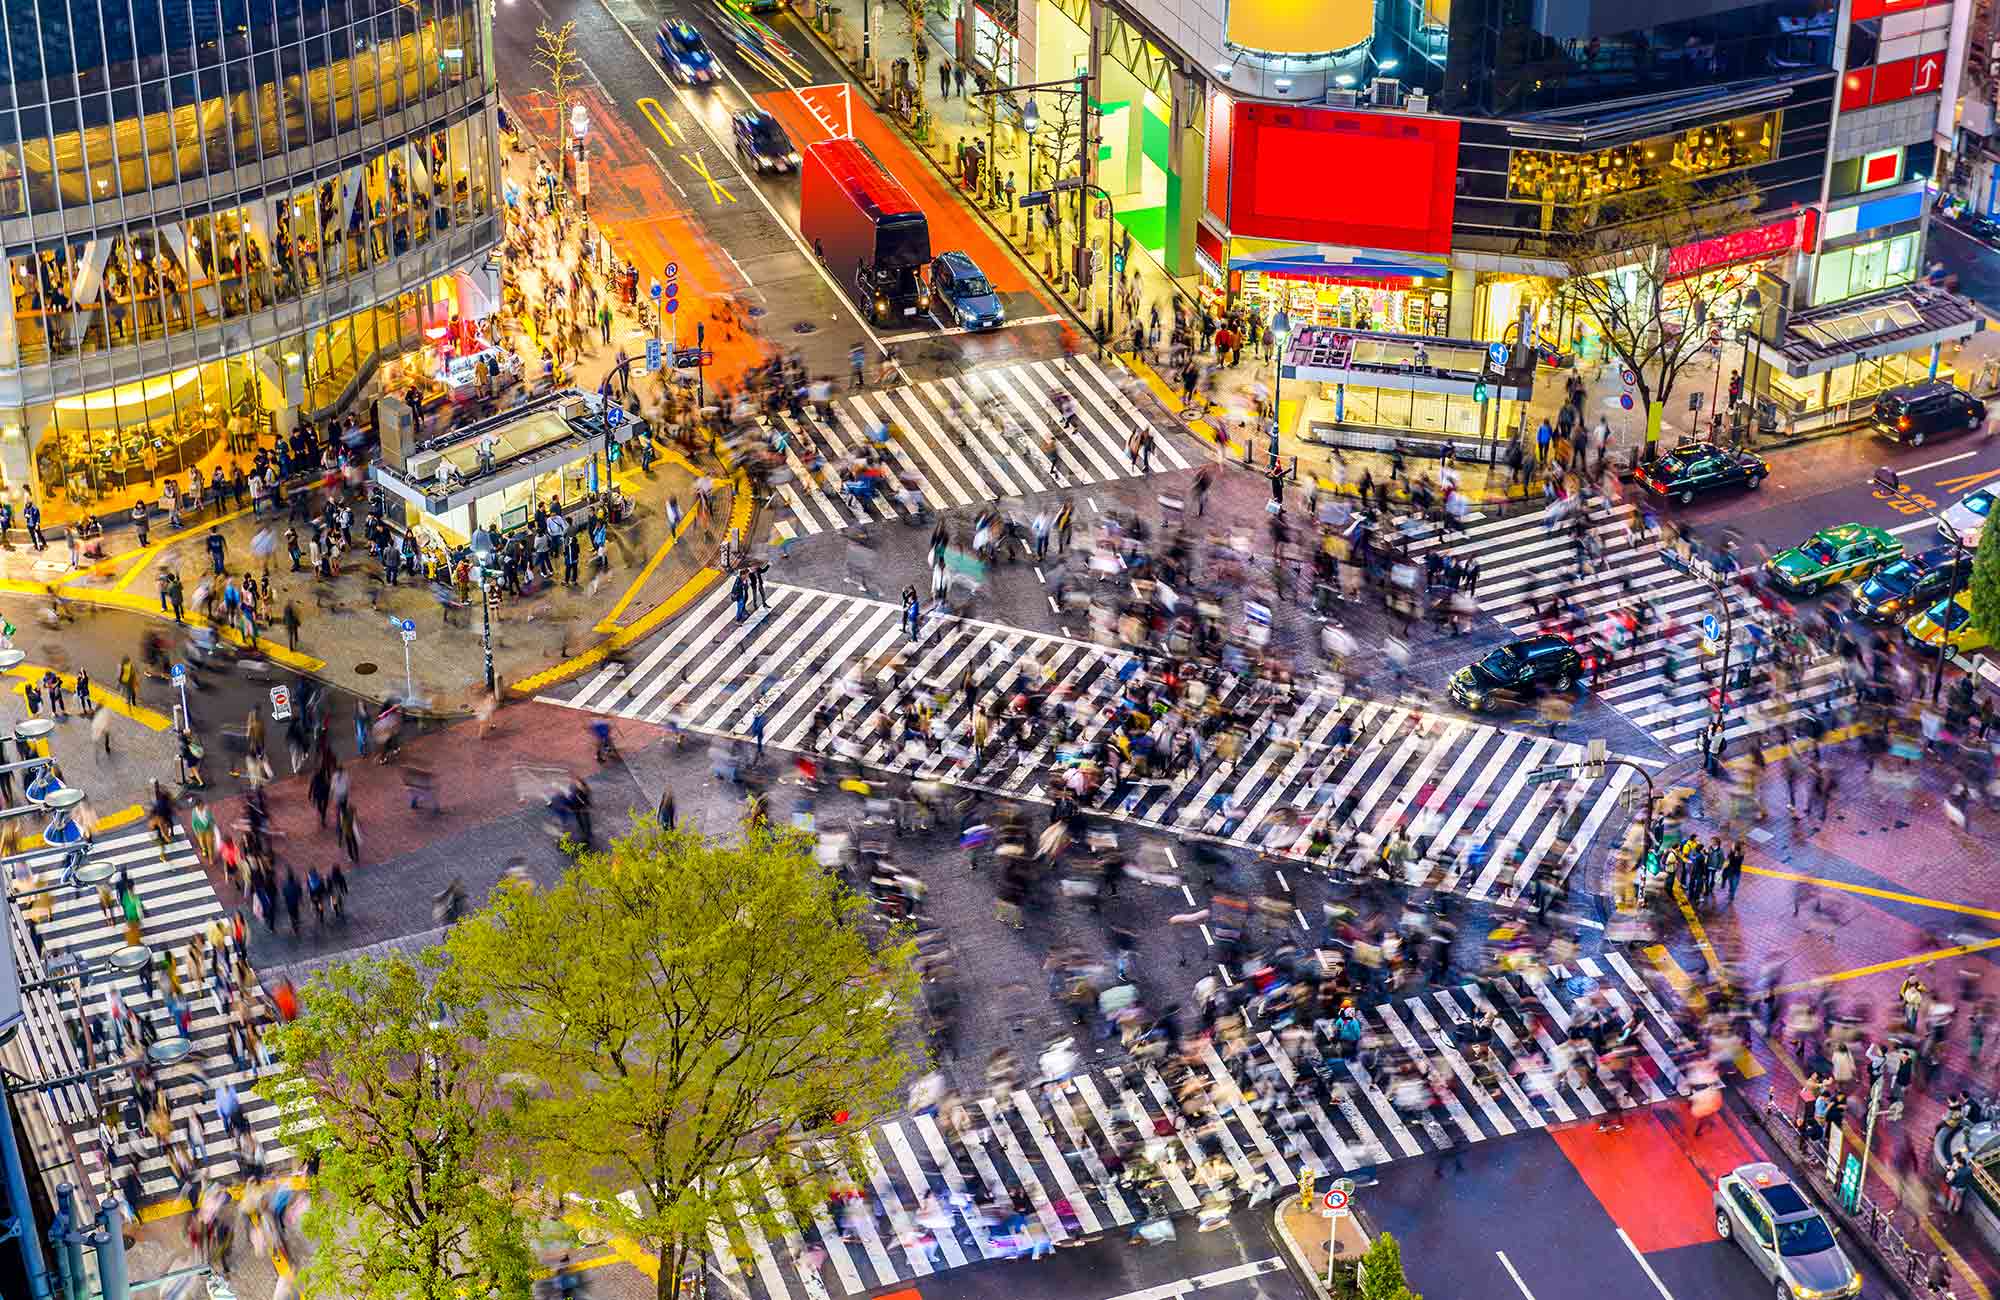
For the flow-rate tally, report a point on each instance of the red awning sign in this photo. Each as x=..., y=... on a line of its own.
x=1742, y=246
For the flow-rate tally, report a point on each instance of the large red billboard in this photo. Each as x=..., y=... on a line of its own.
x=1326, y=176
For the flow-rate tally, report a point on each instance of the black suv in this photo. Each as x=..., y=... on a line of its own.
x=763, y=142
x=1697, y=468
x=1911, y=584
x=1512, y=672
x=1916, y=411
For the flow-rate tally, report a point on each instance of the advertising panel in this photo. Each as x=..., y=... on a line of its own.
x=1317, y=175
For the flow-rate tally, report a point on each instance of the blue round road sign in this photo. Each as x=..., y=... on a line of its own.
x=1625, y=400
x=655, y=291
x=673, y=305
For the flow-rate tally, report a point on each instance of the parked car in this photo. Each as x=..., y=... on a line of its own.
x=1512, y=672
x=1699, y=468
x=1911, y=583
x=964, y=293
x=762, y=141
x=1915, y=412
x=1832, y=555
x=1965, y=518
x=684, y=54
x=1762, y=1210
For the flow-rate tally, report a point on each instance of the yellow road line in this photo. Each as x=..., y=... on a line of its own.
x=123, y=817
x=609, y=623
x=1716, y=970
x=716, y=191
x=623, y=1246
x=1917, y=959
x=101, y=598
x=140, y=714
x=618, y=640
x=651, y=110
x=1690, y=993
x=1914, y=900
x=1957, y=1261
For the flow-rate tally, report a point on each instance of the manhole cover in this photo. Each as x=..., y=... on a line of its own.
x=364, y=670
x=804, y=327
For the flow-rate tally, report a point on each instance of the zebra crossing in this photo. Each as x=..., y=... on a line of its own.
x=1521, y=562
x=1055, y=1142
x=961, y=462
x=178, y=902
x=1360, y=770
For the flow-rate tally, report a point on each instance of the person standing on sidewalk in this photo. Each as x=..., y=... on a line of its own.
x=31, y=518
x=944, y=78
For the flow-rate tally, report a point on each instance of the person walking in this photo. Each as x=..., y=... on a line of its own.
x=128, y=681
x=217, y=548
x=291, y=619
x=31, y=518
x=911, y=611
x=1732, y=870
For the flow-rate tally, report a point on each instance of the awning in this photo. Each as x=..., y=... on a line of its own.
x=1895, y=320
x=1280, y=257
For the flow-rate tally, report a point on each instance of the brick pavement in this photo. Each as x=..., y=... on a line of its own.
x=1849, y=902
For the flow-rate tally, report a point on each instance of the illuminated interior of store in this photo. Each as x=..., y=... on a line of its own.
x=91, y=293
x=99, y=452
x=1406, y=306
x=1699, y=151
x=1857, y=381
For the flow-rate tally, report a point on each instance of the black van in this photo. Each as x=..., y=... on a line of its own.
x=1914, y=412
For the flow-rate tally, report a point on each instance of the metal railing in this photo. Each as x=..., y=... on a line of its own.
x=1922, y=1273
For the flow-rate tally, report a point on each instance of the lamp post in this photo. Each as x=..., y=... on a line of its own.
x=482, y=557
x=1891, y=482
x=1281, y=329
x=1031, y=121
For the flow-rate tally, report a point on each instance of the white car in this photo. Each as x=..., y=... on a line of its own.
x=1965, y=519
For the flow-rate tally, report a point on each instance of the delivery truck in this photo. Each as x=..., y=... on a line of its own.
x=866, y=229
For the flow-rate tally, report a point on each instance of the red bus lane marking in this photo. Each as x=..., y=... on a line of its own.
x=951, y=225
x=1656, y=1178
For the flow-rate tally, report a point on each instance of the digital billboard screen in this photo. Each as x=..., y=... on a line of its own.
x=1327, y=176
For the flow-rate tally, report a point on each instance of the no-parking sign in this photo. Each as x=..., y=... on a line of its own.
x=1335, y=1200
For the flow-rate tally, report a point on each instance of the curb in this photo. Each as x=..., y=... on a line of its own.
x=1295, y=1255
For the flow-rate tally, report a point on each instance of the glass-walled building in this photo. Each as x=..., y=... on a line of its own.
x=218, y=215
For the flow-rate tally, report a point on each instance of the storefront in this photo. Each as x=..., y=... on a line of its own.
x=1831, y=362
x=100, y=452
x=495, y=472
x=1363, y=390
x=1341, y=288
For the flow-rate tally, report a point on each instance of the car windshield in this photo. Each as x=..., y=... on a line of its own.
x=1503, y=663
x=973, y=286
x=767, y=134
x=1818, y=550
x=1978, y=503
x=686, y=41
x=1950, y=614
x=1806, y=1236
x=1897, y=577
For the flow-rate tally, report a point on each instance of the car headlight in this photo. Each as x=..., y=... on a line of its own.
x=923, y=300
x=1000, y=311
x=792, y=158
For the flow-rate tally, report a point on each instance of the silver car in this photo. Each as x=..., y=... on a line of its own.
x=1965, y=519
x=1760, y=1209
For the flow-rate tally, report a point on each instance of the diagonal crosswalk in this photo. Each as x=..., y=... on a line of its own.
x=961, y=462
x=178, y=903
x=1522, y=565
x=932, y=1200
x=1356, y=770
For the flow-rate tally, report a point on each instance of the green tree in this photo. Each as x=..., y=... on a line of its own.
x=414, y=1199
x=704, y=1027
x=1985, y=588
x=1382, y=1272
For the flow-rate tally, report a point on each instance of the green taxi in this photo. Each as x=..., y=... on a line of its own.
x=1832, y=555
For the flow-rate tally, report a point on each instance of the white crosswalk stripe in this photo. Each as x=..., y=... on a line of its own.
x=960, y=463
x=178, y=902
x=1052, y=1141
x=1456, y=787
x=1522, y=565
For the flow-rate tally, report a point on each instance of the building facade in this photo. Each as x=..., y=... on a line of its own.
x=220, y=214
x=1409, y=167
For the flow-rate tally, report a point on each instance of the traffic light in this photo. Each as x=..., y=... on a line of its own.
x=1735, y=386
x=1479, y=391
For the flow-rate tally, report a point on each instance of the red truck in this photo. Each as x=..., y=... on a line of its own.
x=865, y=228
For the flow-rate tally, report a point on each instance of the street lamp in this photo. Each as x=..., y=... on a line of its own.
x=1891, y=482
x=1281, y=329
x=1031, y=122
x=482, y=560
